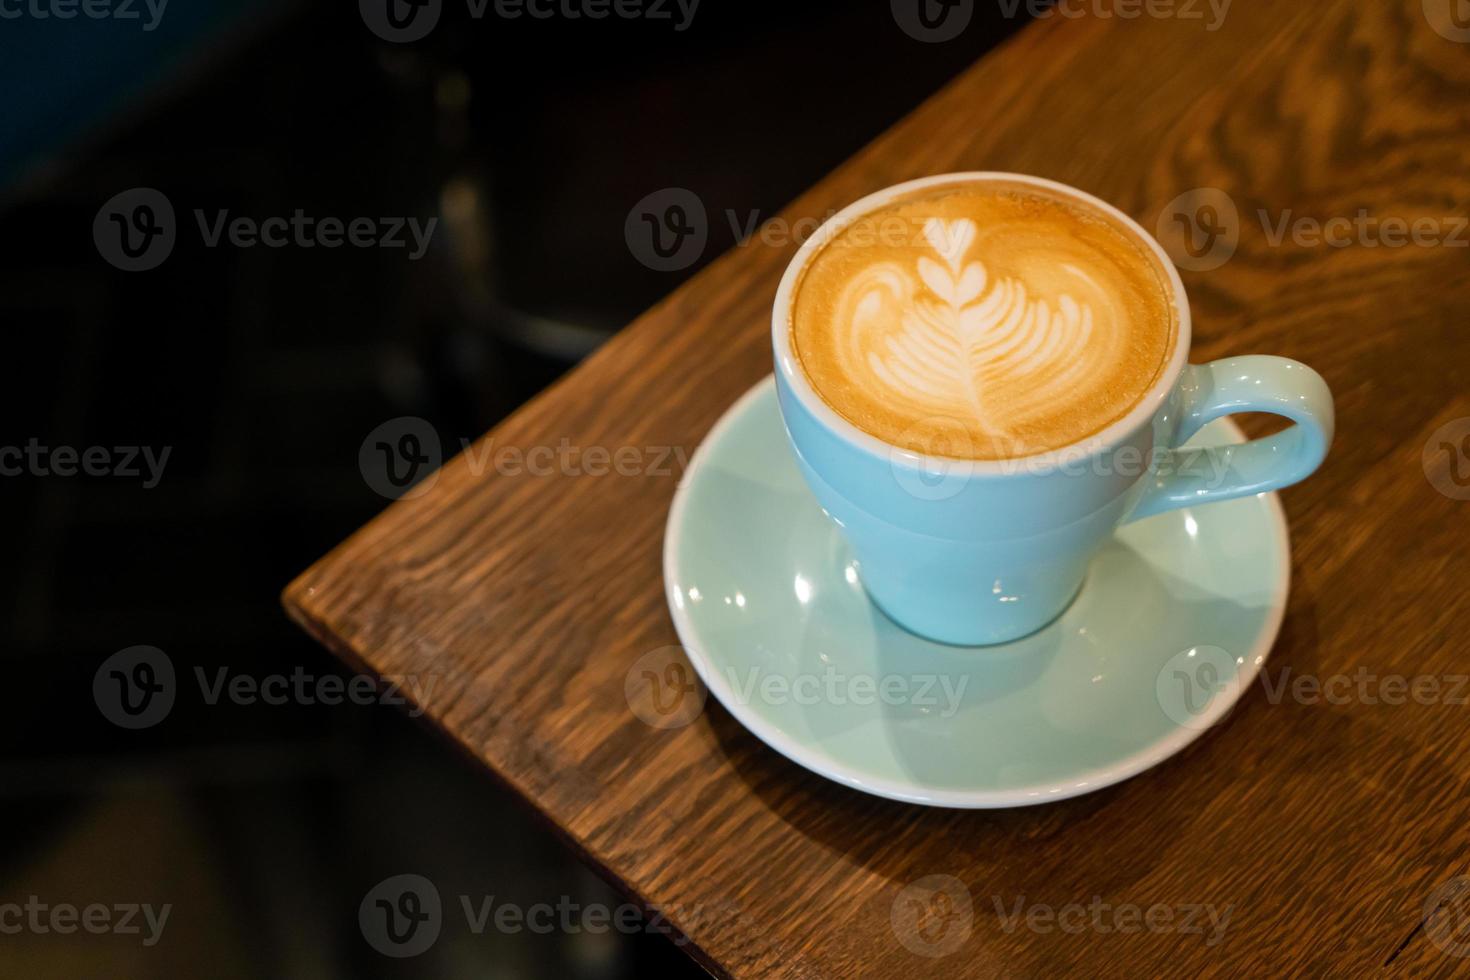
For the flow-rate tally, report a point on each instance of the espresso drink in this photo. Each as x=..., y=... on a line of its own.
x=983, y=320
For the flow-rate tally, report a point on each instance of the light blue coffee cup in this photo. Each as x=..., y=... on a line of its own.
x=975, y=552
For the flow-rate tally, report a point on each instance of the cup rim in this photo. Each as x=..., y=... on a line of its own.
x=1052, y=459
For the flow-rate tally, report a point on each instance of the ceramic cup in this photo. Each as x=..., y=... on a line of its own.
x=974, y=552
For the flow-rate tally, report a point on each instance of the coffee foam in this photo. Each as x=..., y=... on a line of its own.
x=987, y=320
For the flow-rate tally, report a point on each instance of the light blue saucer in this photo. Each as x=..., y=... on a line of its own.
x=1176, y=617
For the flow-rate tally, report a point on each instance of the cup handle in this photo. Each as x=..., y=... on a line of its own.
x=1253, y=383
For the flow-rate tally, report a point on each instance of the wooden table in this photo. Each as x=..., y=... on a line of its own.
x=1324, y=826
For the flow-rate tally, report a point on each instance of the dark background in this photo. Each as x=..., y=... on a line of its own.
x=263, y=370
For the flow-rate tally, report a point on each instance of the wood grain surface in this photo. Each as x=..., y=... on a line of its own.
x=1324, y=827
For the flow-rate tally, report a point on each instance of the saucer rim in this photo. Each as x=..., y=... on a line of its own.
x=822, y=764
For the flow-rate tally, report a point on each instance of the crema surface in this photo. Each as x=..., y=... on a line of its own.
x=985, y=321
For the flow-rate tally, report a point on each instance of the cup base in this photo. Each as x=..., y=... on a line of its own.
x=975, y=637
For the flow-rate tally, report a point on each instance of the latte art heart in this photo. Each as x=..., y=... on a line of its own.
x=990, y=322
